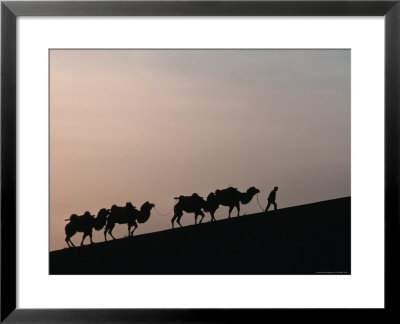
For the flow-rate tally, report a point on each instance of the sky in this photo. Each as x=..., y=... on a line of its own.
x=150, y=125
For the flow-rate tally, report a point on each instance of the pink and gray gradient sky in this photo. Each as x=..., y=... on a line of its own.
x=139, y=125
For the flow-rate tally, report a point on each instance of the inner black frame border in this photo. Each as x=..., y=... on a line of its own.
x=11, y=10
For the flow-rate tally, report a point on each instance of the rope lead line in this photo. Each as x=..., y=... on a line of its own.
x=162, y=213
x=262, y=209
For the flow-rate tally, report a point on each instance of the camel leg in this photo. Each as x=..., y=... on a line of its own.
x=69, y=242
x=195, y=218
x=106, y=230
x=90, y=237
x=173, y=220
x=179, y=221
x=83, y=238
x=238, y=208
x=212, y=217
x=230, y=211
x=111, y=227
x=68, y=234
x=129, y=230
x=177, y=216
x=135, y=226
x=110, y=232
x=202, y=216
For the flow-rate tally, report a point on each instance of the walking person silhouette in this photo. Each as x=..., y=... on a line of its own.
x=271, y=199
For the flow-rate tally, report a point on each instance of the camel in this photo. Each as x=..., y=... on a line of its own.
x=85, y=224
x=127, y=215
x=232, y=197
x=189, y=204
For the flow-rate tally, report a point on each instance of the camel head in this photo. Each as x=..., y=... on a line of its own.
x=253, y=191
x=147, y=206
x=101, y=219
x=211, y=200
x=211, y=196
x=144, y=213
x=211, y=203
x=250, y=193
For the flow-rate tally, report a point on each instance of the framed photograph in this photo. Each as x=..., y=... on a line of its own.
x=212, y=115
x=241, y=154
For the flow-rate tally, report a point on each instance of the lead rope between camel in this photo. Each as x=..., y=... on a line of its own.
x=262, y=209
x=162, y=213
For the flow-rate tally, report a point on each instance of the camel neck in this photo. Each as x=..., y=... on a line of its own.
x=245, y=197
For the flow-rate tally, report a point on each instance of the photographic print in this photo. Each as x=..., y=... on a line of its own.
x=200, y=161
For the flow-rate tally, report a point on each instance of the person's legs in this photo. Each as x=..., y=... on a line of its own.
x=269, y=204
x=275, y=206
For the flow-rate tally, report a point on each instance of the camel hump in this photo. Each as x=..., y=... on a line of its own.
x=87, y=215
x=73, y=217
x=196, y=195
x=129, y=208
x=116, y=209
x=129, y=205
x=229, y=190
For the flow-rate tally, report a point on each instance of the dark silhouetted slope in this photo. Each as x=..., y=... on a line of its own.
x=307, y=239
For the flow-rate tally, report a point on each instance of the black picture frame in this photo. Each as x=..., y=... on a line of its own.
x=11, y=10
